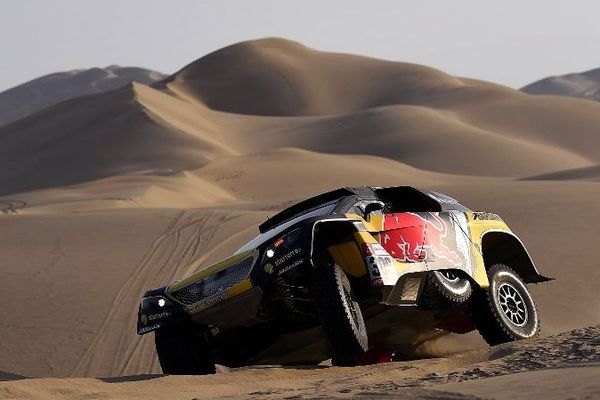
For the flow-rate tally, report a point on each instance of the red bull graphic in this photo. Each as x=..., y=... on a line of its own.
x=411, y=237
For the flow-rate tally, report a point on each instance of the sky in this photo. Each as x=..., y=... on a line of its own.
x=508, y=42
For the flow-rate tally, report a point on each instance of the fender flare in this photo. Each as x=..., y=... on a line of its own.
x=329, y=231
x=501, y=246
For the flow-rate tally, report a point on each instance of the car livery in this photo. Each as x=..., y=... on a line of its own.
x=342, y=268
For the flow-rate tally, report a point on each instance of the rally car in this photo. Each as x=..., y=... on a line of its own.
x=345, y=274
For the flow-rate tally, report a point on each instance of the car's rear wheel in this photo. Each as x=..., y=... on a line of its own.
x=340, y=315
x=444, y=289
x=182, y=350
x=505, y=311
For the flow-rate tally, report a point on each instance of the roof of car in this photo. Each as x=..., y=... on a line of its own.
x=364, y=192
x=305, y=205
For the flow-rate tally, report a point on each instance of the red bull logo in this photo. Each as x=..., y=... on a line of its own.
x=412, y=237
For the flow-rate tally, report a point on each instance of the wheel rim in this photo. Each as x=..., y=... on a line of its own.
x=512, y=304
x=450, y=276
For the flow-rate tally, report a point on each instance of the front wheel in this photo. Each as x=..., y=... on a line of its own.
x=340, y=315
x=505, y=311
x=182, y=350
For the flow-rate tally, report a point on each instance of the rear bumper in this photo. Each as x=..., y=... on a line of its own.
x=399, y=283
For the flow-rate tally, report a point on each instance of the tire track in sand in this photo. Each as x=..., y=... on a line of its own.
x=116, y=349
x=95, y=361
x=140, y=355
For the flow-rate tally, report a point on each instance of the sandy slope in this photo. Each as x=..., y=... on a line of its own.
x=30, y=97
x=334, y=103
x=103, y=261
x=104, y=196
x=565, y=366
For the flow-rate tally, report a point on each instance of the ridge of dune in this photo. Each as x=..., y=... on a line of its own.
x=95, y=137
x=315, y=100
x=584, y=85
x=178, y=114
x=591, y=173
x=291, y=79
x=32, y=96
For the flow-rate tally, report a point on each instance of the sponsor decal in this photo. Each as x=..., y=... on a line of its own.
x=147, y=329
x=482, y=215
x=153, y=317
x=286, y=257
x=412, y=238
x=291, y=266
x=144, y=319
x=268, y=267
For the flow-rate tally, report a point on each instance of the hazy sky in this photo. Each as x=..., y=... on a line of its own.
x=509, y=42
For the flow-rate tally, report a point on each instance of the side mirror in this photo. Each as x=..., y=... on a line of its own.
x=371, y=207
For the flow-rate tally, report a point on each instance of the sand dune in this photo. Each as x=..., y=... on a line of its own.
x=35, y=95
x=585, y=85
x=291, y=79
x=413, y=114
x=95, y=137
x=104, y=196
x=507, y=372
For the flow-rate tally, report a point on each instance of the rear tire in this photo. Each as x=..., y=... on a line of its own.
x=182, y=350
x=444, y=289
x=340, y=315
x=505, y=311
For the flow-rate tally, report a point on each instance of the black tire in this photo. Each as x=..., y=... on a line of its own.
x=444, y=289
x=505, y=311
x=182, y=350
x=340, y=315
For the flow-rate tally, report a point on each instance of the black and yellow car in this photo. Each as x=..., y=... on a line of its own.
x=345, y=273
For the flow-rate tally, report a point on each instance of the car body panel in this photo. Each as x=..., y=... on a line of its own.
x=386, y=253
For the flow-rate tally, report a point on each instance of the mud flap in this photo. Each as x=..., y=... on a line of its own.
x=406, y=291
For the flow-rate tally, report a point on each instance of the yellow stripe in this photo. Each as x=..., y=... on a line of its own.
x=375, y=223
x=241, y=287
x=477, y=228
x=208, y=271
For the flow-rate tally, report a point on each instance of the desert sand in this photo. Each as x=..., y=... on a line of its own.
x=107, y=195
